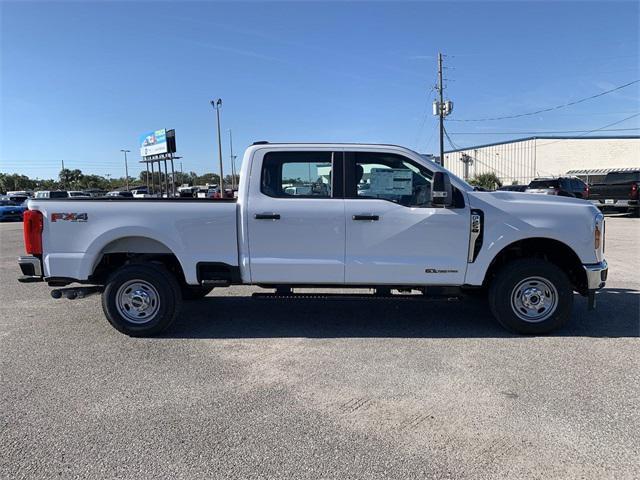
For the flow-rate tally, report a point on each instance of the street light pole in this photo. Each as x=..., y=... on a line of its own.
x=233, y=167
x=441, y=109
x=217, y=104
x=126, y=168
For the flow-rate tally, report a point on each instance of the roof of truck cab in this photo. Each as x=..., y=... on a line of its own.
x=259, y=144
x=340, y=145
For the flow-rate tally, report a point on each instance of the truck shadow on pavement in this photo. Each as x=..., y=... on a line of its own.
x=617, y=315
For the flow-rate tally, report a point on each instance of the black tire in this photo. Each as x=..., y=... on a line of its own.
x=194, y=292
x=514, y=290
x=149, y=279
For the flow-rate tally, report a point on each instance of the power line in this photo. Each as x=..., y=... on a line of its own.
x=544, y=132
x=425, y=114
x=584, y=132
x=595, y=129
x=556, y=107
x=453, y=145
x=433, y=132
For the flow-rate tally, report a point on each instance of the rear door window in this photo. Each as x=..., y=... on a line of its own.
x=299, y=174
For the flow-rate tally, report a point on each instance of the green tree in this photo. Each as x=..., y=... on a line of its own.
x=210, y=178
x=488, y=181
x=15, y=181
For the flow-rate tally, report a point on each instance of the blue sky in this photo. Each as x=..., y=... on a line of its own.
x=82, y=80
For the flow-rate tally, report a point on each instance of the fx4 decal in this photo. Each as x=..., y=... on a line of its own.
x=69, y=217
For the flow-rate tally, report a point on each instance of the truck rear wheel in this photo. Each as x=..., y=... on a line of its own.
x=141, y=299
x=531, y=296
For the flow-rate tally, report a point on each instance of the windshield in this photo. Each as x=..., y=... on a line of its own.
x=550, y=183
x=622, y=177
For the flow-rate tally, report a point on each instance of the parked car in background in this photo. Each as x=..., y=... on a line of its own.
x=187, y=191
x=513, y=188
x=209, y=193
x=140, y=191
x=619, y=191
x=95, y=192
x=561, y=186
x=52, y=194
x=120, y=194
x=21, y=193
x=78, y=193
x=18, y=199
x=298, y=190
x=10, y=210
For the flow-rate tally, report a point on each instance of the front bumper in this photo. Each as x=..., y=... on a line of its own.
x=596, y=274
x=31, y=268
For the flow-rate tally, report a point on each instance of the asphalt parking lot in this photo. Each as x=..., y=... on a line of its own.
x=262, y=388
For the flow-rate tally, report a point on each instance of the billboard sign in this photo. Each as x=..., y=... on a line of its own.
x=153, y=143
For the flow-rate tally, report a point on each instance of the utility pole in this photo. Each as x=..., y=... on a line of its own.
x=441, y=108
x=233, y=158
x=217, y=104
x=62, y=171
x=466, y=160
x=126, y=169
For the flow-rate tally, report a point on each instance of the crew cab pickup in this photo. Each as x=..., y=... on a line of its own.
x=323, y=215
x=618, y=191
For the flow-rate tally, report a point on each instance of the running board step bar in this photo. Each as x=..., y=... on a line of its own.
x=73, y=293
x=347, y=296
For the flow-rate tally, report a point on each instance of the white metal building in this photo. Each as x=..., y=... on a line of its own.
x=521, y=160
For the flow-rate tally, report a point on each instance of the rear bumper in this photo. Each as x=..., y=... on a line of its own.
x=596, y=274
x=31, y=268
x=616, y=203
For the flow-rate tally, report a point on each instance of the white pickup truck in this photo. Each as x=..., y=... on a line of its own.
x=322, y=215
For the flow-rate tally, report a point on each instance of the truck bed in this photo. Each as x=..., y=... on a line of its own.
x=196, y=230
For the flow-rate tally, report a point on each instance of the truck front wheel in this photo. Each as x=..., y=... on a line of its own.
x=141, y=299
x=531, y=296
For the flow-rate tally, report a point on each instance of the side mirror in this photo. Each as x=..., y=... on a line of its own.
x=441, y=191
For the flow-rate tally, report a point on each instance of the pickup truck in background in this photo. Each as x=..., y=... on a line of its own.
x=322, y=215
x=619, y=191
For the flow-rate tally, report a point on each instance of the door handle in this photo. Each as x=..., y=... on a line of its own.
x=371, y=218
x=267, y=216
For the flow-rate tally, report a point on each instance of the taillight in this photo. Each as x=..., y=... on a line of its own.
x=32, y=225
x=586, y=191
x=634, y=191
x=598, y=232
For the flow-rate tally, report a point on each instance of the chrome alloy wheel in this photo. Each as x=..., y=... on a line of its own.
x=137, y=301
x=534, y=299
